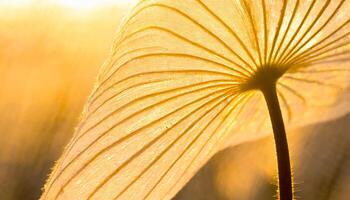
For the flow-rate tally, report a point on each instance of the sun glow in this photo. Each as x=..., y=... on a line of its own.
x=89, y=4
x=72, y=4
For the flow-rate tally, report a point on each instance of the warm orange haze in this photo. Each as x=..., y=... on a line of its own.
x=177, y=86
x=50, y=53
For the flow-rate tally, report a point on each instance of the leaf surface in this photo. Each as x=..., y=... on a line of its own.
x=170, y=95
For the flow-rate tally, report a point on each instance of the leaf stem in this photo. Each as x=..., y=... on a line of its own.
x=281, y=143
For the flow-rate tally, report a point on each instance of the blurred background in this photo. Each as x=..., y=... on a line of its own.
x=50, y=52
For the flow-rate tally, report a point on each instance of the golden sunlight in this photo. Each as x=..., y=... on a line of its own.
x=76, y=4
x=89, y=4
x=174, y=99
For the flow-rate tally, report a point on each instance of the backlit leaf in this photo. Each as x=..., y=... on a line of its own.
x=172, y=93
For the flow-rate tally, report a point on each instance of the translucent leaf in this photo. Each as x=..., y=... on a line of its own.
x=171, y=94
